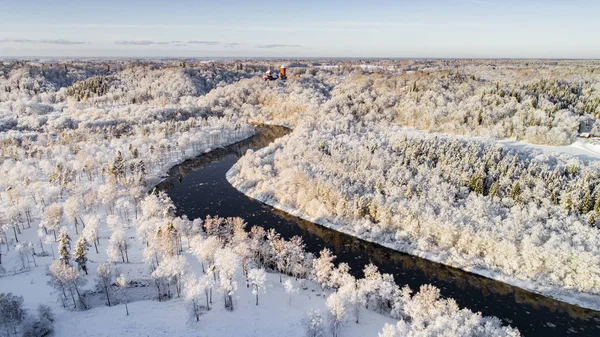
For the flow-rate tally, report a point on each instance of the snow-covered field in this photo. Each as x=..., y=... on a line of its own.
x=278, y=313
x=585, y=149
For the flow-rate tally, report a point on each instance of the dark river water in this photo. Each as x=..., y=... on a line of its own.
x=198, y=188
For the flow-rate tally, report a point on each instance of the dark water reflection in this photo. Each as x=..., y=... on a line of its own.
x=198, y=188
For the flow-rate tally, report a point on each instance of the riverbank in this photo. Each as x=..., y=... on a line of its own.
x=584, y=300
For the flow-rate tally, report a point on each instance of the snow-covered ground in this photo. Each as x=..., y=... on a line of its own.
x=585, y=149
x=276, y=315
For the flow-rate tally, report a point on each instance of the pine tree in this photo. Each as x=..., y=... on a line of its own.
x=597, y=205
x=64, y=245
x=568, y=204
x=592, y=220
x=494, y=189
x=586, y=203
x=81, y=248
x=554, y=197
x=476, y=183
x=515, y=193
x=118, y=167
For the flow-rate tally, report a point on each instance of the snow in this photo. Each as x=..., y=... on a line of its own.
x=584, y=149
x=274, y=316
x=166, y=93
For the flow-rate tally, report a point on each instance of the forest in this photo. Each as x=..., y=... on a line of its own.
x=459, y=161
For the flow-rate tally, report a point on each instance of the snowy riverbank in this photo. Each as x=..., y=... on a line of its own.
x=348, y=226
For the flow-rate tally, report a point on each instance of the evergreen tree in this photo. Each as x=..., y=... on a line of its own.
x=586, y=203
x=554, y=197
x=592, y=220
x=81, y=248
x=494, y=189
x=118, y=167
x=64, y=245
x=568, y=204
x=515, y=193
x=597, y=205
x=476, y=183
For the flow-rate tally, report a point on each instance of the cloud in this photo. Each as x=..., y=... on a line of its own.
x=44, y=41
x=208, y=43
x=136, y=42
x=479, y=2
x=175, y=43
x=232, y=44
x=278, y=46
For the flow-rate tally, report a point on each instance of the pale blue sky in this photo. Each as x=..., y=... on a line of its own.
x=310, y=28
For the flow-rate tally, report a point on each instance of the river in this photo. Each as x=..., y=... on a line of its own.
x=198, y=188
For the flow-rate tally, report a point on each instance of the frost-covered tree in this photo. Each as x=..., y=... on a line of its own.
x=90, y=232
x=104, y=280
x=52, y=218
x=68, y=282
x=12, y=312
x=207, y=283
x=227, y=264
x=80, y=256
x=290, y=289
x=118, y=246
x=172, y=270
x=72, y=208
x=25, y=251
x=204, y=249
x=314, y=324
x=42, y=325
x=257, y=278
x=336, y=305
x=122, y=282
x=64, y=247
x=323, y=267
x=192, y=293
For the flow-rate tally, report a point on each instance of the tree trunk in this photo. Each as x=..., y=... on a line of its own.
x=73, y=297
x=107, y=295
x=207, y=303
x=157, y=289
x=28, y=216
x=79, y=296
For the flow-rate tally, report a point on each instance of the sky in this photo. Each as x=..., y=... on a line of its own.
x=307, y=28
